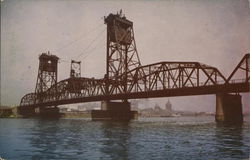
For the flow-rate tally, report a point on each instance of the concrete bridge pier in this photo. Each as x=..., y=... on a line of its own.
x=228, y=108
x=118, y=111
x=44, y=112
x=48, y=112
x=26, y=111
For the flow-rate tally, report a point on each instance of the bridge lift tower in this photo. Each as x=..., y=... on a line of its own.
x=47, y=77
x=47, y=73
x=122, y=54
x=121, y=58
x=75, y=69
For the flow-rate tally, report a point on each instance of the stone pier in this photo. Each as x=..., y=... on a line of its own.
x=120, y=111
x=26, y=111
x=43, y=112
x=228, y=108
x=48, y=112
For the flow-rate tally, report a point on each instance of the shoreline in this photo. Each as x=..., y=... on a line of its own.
x=89, y=116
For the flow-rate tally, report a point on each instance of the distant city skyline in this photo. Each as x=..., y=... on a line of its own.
x=213, y=32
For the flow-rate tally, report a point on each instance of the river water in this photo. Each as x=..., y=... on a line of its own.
x=143, y=139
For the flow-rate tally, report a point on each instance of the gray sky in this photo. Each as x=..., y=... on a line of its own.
x=214, y=32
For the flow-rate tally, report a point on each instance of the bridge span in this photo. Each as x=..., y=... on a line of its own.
x=126, y=78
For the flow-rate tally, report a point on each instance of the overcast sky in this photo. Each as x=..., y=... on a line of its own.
x=214, y=32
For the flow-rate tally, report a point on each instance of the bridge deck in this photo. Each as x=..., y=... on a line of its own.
x=185, y=91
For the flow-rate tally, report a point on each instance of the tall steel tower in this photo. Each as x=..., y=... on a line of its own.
x=75, y=69
x=122, y=54
x=47, y=73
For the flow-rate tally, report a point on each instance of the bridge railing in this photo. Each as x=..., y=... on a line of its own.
x=234, y=81
x=242, y=80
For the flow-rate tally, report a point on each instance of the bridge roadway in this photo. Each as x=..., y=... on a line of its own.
x=185, y=91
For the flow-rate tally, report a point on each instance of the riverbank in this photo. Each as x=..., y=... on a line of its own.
x=8, y=112
x=11, y=112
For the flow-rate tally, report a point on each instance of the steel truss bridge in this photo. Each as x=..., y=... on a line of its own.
x=126, y=78
x=164, y=79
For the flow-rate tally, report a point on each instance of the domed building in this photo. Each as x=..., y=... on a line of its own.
x=168, y=106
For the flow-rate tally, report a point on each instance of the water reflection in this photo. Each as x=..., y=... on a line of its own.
x=146, y=139
x=78, y=139
x=56, y=139
x=44, y=137
x=116, y=139
x=230, y=142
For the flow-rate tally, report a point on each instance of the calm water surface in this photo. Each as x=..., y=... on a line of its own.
x=149, y=138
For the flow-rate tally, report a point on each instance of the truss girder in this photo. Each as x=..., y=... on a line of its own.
x=244, y=66
x=153, y=77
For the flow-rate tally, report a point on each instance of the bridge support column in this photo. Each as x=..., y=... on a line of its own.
x=120, y=111
x=48, y=112
x=43, y=112
x=26, y=111
x=228, y=108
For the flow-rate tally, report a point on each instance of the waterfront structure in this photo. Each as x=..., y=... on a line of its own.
x=126, y=78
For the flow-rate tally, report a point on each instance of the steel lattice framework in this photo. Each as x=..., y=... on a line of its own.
x=75, y=69
x=122, y=54
x=126, y=78
x=244, y=67
x=47, y=74
x=164, y=77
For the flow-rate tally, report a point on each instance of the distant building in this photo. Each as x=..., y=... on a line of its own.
x=157, y=108
x=134, y=105
x=157, y=111
x=168, y=106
